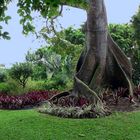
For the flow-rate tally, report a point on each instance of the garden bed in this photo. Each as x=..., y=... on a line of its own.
x=116, y=101
x=25, y=101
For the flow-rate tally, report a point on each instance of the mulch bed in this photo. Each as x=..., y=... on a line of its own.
x=123, y=104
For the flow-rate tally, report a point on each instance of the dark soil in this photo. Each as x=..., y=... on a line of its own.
x=123, y=105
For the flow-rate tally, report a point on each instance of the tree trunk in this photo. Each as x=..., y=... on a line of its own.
x=104, y=64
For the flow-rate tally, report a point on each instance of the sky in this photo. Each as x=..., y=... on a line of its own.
x=14, y=50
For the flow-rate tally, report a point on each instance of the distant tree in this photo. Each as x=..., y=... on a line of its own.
x=136, y=26
x=125, y=36
x=21, y=72
x=60, y=56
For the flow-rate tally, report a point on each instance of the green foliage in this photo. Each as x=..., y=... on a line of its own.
x=57, y=62
x=66, y=112
x=39, y=72
x=4, y=18
x=48, y=9
x=74, y=36
x=4, y=35
x=136, y=53
x=5, y=88
x=65, y=49
x=124, y=35
x=5, y=85
x=136, y=66
x=35, y=85
x=21, y=72
x=14, y=87
x=52, y=68
x=136, y=26
x=3, y=75
x=11, y=87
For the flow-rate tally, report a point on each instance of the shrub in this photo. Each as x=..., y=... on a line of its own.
x=21, y=72
x=3, y=76
x=12, y=87
x=5, y=88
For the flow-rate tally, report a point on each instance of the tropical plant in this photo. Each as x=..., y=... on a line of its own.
x=56, y=62
x=27, y=100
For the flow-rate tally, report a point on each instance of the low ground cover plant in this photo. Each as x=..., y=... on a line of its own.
x=81, y=107
x=35, y=98
x=24, y=101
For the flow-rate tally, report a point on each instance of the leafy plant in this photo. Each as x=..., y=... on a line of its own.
x=3, y=76
x=24, y=101
x=21, y=72
x=4, y=18
x=5, y=88
x=87, y=111
x=120, y=92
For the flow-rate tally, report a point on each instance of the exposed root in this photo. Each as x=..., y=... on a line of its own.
x=55, y=98
x=85, y=105
x=85, y=90
x=122, y=62
x=65, y=104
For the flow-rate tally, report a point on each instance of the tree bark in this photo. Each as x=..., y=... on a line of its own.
x=104, y=64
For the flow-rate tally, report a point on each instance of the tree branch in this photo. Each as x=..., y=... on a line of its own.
x=81, y=4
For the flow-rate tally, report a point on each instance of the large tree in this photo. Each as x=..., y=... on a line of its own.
x=102, y=64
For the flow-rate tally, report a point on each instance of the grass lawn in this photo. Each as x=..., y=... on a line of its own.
x=31, y=125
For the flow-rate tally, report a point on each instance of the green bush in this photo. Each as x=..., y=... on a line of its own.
x=3, y=76
x=15, y=87
x=21, y=72
x=5, y=88
x=44, y=85
x=12, y=87
x=35, y=85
